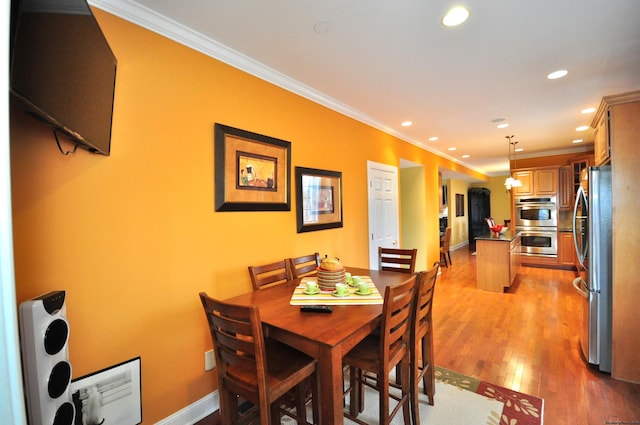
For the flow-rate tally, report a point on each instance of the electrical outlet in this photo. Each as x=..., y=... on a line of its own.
x=209, y=360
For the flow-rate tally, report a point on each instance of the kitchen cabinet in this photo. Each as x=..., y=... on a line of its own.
x=624, y=128
x=601, y=139
x=565, y=188
x=566, y=250
x=537, y=182
x=497, y=261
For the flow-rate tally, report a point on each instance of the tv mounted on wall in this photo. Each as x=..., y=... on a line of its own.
x=63, y=70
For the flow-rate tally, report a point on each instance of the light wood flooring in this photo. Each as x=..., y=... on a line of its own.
x=525, y=339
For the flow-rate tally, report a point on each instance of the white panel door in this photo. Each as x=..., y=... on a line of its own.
x=384, y=229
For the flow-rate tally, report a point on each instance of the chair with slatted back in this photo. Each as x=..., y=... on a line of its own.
x=257, y=369
x=305, y=265
x=421, y=340
x=397, y=260
x=270, y=274
x=371, y=361
x=444, y=248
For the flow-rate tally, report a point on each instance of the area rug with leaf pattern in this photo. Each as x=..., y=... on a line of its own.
x=463, y=400
x=460, y=400
x=517, y=408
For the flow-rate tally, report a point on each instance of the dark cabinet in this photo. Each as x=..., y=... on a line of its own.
x=479, y=208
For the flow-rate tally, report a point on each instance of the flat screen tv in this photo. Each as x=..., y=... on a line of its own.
x=63, y=70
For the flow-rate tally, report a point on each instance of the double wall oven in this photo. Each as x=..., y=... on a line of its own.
x=537, y=220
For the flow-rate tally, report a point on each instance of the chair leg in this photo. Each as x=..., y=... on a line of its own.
x=429, y=378
x=301, y=408
x=315, y=398
x=443, y=257
x=449, y=255
x=354, y=391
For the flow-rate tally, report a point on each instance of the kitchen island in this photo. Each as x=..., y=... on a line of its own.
x=497, y=260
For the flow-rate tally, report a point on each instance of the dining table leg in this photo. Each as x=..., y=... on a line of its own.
x=329, y=369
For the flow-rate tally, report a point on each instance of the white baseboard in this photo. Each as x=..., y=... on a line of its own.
x=460, y=245
x=195, y=411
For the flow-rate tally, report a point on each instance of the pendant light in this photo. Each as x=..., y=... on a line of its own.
x=511, y=182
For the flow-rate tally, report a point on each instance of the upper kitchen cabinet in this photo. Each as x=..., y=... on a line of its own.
x=624, y=133
x=601, y=139
x=537, y=182
x=569, y=180
x=565, y=188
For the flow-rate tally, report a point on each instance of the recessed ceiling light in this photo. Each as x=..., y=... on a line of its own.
x=455, y=16
x=406, y=124
x=503, y=125
x=498, y=119
x=582, y=128
x=557, y=74
x=466, y=156
x=577, y=141
x=452, y=149
x=433, y=139
x=588, y=110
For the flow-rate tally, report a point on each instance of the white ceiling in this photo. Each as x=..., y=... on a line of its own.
x=387, y=61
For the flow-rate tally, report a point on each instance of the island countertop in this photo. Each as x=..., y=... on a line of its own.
x=507, y=236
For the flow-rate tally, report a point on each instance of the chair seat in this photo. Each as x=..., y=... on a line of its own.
x=365, y=355
x=286, y=367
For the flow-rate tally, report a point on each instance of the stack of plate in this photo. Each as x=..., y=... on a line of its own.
x=327, y=279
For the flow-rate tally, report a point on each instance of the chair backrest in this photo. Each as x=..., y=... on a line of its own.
x=305, y=265
x=396, y=319
x=270, y=274
x=446, y=239
x=238, y=343
x=423, y=301
x=397, y=260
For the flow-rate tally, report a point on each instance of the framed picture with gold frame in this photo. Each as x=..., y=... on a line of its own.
x=318, y=199
x=252, y=171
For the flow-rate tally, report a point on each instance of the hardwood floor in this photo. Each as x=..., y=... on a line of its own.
x=525, y=339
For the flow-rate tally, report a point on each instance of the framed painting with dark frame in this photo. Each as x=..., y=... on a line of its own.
x=318, y=199
x=252, y=171
x=111, y=396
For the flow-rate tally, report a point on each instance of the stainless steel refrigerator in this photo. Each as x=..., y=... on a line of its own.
x=592, y=238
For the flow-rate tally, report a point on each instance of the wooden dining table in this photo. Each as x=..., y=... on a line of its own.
x=326, y=337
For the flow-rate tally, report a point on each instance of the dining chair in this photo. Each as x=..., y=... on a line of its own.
x=397, y=260
x=304, y=265
x=371, y=361
x=270, y=274
x=421, y=340
x=444, y=248
x=258, y=369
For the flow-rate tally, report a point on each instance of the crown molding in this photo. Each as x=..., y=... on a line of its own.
x=155, y=22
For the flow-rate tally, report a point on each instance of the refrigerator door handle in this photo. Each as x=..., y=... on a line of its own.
x=580, y=286
x=579, y=196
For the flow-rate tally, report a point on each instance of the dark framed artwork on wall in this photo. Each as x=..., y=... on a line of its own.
x=318, y=199
x=459, y=205
x=252, y=171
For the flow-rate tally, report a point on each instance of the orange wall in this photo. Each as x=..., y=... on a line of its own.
x=134, y=237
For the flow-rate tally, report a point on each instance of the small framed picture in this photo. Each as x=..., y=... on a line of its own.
x=109, y=396
x=252, y=171
x=318, y=199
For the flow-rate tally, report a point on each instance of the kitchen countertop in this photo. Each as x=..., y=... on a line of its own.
x=507, y=236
